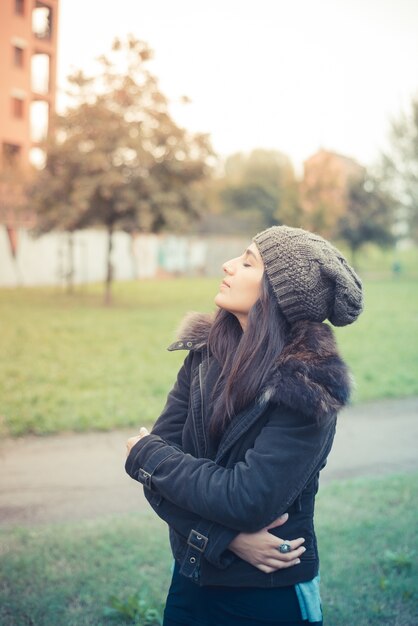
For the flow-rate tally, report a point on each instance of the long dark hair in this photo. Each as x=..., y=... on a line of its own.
x=246, y=357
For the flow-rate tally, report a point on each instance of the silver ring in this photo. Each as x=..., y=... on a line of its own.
x=285, y=547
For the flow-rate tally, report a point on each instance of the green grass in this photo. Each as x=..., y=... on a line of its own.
x=368, y=538
x=375, y=261
x=65, y=574
x=381, y=346
x=68, y=363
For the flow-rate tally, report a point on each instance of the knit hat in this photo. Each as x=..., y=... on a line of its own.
x=310, y=278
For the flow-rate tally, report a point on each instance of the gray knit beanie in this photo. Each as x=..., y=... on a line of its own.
x=310, y=278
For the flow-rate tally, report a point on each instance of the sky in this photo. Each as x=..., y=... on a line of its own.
x=289, y=75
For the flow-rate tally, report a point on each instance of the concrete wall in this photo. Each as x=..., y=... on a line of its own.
x=44, y=261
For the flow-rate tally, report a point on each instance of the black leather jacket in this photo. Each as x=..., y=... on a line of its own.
x=267, y=463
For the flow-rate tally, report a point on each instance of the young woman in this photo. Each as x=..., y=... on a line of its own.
x=232, y=463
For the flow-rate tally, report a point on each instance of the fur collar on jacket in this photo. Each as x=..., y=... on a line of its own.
x=309, y=376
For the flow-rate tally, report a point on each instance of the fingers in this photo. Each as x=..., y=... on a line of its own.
x=297, y=549
x=278, y=561
x=132, y=441
x=272, y=566
x=279, y=521
x=143, y=432
x=130, y=444
x=288, y=556
x=294, y=544
x=274, y=560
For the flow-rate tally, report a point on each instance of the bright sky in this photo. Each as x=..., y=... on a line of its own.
x=291, y=75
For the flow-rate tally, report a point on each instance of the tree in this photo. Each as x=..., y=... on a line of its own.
x=116, y=158
x=399, y=169
x=259, y=190
x=325, y=190
x=368, y=215
x=52, y=192
x=13, y=211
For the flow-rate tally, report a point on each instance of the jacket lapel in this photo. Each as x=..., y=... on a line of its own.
x=239, y=425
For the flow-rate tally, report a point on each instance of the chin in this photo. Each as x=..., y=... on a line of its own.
x=218, y=300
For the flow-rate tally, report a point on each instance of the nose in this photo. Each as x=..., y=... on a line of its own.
x=228, y=267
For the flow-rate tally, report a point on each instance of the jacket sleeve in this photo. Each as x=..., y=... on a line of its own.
x=169, y=426
x=215, y=549
x=288, y=452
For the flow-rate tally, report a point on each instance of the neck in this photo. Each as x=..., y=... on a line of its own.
x=243, y=320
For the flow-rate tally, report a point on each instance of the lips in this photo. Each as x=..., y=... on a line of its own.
x=224, y=284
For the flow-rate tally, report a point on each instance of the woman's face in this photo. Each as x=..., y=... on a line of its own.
x=241, y=287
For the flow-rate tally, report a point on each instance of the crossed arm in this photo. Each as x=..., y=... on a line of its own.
x=248, y=513
x=260, y=548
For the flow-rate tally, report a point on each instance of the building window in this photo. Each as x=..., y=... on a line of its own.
x=37, y=158
x=42, y=21
x=40, y=73
x=10, y=155
x=17, y=107
x=18, y=56
x=39, y=115
x=20, y=7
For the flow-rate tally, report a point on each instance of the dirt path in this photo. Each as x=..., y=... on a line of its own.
x=81, y=476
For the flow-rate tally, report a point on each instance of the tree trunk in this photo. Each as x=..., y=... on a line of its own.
x=70, y=261
x=13, y=237
x=109, y=273
x=133, y=256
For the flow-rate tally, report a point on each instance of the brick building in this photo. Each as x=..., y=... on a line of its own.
x=324, y=188
x=28, y=54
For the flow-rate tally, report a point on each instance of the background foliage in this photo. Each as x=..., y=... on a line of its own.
x=68, y=363
x=116, y=158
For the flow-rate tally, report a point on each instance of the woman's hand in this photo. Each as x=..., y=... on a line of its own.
x=261, y=549
x=143, y=432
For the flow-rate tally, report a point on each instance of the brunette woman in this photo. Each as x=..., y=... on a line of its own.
x=232, y=463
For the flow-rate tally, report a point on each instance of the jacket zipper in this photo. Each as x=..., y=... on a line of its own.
x=202, y=409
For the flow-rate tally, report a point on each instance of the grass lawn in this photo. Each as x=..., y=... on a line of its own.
x=65, y=574
x=68, y=363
